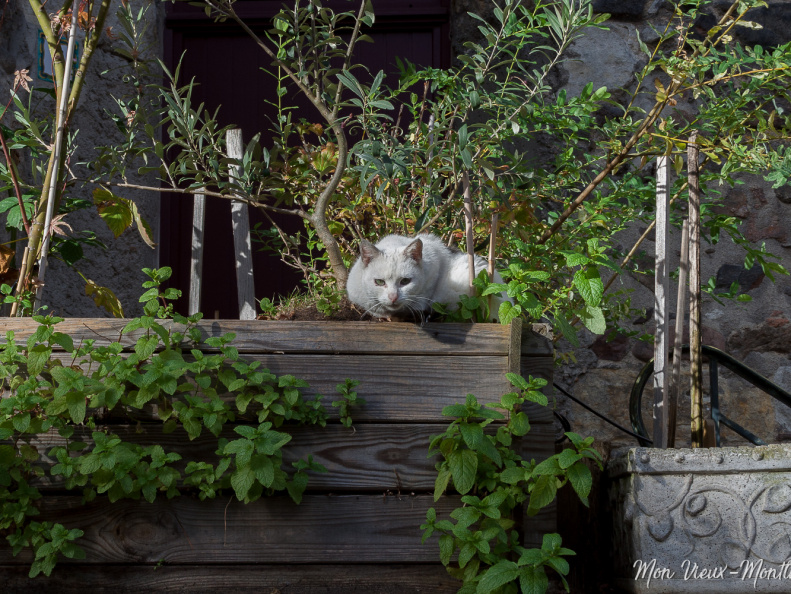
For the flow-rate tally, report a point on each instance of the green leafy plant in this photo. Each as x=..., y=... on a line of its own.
x=23, y=300
x=348, y=399
x=553, y=219
x=55, y=385
x=557, y=215
x=480, y=464
x=40, y=200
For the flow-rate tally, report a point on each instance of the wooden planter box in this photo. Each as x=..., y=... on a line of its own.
x=357, y=529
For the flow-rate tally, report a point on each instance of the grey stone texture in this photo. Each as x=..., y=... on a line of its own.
x=120, y=266
x=706, y=520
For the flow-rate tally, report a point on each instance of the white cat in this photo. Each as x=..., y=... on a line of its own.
x=406, y=275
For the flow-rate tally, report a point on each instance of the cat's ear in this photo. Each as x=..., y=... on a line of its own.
x=368, y=252
x=414, y=250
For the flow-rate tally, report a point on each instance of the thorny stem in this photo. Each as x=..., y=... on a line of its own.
x=12, y=171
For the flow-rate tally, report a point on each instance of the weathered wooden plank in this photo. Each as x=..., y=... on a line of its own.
x=196, y=260
x=678, y=339
x=431, y=339
x=661, y=318
x=404, y=388
x=695, y=329
x=239, y=579
x=374, y=457
x=398, y=388
x=514, y=346
x=322, y=529
x=537, y=341
x=240, y=225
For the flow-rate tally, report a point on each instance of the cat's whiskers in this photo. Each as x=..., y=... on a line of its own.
x=413, y=304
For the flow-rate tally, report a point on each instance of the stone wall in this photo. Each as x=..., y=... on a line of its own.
x=757, y=332
x=118, y=268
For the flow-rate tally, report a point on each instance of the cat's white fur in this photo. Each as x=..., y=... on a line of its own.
x=402, y=275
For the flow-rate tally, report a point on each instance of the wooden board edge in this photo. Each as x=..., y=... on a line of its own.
x=536, y=340
x=432, y=338
x=515, y=345
x=238, y=578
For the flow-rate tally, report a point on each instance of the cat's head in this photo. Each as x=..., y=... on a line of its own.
x=393, y=279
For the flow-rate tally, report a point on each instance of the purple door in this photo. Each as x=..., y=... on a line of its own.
x=227, y=64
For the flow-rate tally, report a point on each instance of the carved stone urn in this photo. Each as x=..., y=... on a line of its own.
x=704, y=520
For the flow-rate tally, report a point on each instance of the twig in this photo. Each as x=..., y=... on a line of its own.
x=53, y=180
x=492, y=250
x=465, y=180
x=12, y=171
x=251, y=201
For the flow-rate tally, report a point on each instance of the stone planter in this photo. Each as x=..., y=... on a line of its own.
x=705, y=520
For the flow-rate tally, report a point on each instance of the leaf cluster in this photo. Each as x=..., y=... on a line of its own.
x=188, y=384
x=480, y=461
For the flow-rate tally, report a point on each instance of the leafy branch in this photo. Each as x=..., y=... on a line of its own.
x=494, y=481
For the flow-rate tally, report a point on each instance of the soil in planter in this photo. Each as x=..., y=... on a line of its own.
x=308, y=312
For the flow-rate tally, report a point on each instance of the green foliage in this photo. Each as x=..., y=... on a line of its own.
x=28, y=161
x=348, y=399
x=24, y=300
x=479, y=463
x=54, y=385
x=560, y=212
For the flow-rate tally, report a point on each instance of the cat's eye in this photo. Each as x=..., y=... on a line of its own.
x=405, y=281
x=379, y=282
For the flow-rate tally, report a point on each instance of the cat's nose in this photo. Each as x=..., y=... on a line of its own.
x=393, y=297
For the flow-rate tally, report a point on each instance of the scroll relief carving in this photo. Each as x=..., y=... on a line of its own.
x=724, y=519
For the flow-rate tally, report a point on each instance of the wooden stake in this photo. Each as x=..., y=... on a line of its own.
x=240, y=218
x=196, y=262
x=675, y=383
x=56, y=152
x=493, y=244
x=468, y=226
x=661, y=280
x=20, y=285
x=695, y=351
x=492, y=258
